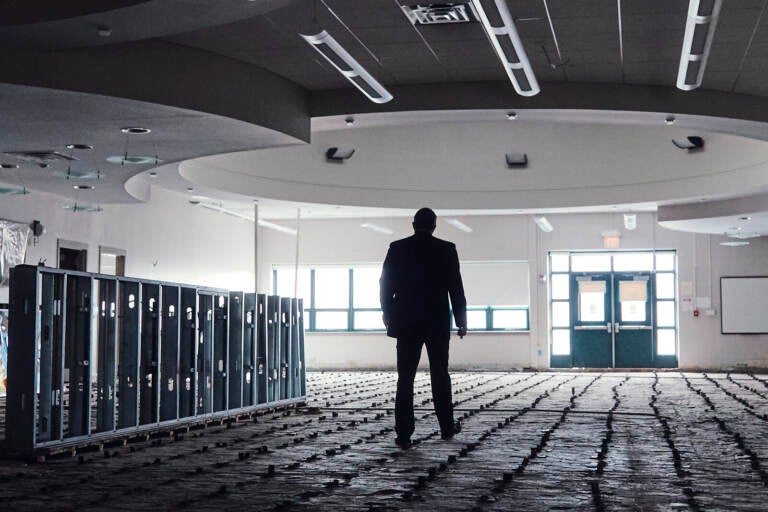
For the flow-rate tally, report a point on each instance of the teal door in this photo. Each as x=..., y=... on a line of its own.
x=592, y=319
x=633, y=320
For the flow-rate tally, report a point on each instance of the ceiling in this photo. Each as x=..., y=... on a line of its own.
x=213, y=77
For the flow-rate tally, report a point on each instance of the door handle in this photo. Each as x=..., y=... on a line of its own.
x=634, y=327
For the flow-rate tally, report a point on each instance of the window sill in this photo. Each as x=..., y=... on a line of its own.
x=453, y=333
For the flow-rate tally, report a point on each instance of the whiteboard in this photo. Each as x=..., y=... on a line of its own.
x=744, y=305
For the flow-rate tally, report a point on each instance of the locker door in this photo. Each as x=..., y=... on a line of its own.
x=235, y=373
x=295, y=354
x=169, y=353
x=77, y=345
x=51, y=345
x=187, y=352
x=220, y=339
x=249, y=354
x=302, y=357
x=128, y=353
x=285, y=348
x=106, y=304
x=262, y=341
x=149, y=360
x=205, y=354
x=273, y=348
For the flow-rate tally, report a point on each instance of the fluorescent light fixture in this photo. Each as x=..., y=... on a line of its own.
x=734, y=244
x=459, y=225
x=742, y=235
x=509, y=48
x=245, y=216
x=81, y=207
x=352, y=70
x=543, y=224
x=630, y=221
x=376, y=228
x=699, y=32
x=276, y=227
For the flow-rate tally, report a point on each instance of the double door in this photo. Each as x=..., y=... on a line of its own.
x=612, y=320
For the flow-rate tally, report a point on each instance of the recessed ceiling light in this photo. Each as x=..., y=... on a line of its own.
x=9, y=166
x=543, y=224
x=669, y=120
x=103, y=31
x=135, y=130
x=86, y=147
x=83, y=187
x=153, y=174
x=349, y=121
x=511, y=115
x=745, y=218
x=133, y=160
x=190, y=189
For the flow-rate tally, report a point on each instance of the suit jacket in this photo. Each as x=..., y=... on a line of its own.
x=419, y=274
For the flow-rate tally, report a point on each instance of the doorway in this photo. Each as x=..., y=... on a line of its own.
x=613, y=310
x=72, y=255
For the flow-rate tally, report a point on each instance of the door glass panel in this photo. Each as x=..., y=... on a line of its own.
x=561, y=342
x=560, y=286
x=592, y=301
x=665, y=313
x=665, y=286
x=591, y=262
x=626, y=261
x=665, y=342
x=632, y=297
x=561, y=315
x=665, y=261
x=559, y=262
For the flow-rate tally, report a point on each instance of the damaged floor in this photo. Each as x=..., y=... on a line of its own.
x=530, y=441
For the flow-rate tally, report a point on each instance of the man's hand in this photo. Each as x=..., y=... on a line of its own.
x=462, y=332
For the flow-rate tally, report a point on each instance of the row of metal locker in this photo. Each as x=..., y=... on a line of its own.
x=95, y=356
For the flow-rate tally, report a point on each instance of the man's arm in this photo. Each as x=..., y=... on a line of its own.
x=386, y=291
x=456, y=292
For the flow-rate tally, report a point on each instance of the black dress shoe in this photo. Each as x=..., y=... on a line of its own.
x=404, y=444
x=455, y=430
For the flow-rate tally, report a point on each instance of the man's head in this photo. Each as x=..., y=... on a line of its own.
x=425, y=220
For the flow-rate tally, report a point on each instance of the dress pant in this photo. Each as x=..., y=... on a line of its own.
x=408, y=355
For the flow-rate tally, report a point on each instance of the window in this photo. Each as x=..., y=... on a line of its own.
x=347, y=299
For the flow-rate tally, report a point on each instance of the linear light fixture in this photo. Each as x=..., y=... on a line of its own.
x=459, y=225
x=262, y=222
x=352, y=70
x=376, y=228
x=543, y=224
x=699, y=32
x=509, y=48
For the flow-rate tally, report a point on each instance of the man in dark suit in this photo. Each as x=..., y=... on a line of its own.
x=419, y=274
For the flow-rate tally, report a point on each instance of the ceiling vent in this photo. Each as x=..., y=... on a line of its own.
x=40, y=157
x=438, y=14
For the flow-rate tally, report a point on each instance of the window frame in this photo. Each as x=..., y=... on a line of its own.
x=311, y=311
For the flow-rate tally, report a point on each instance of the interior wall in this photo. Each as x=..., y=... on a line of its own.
x=701, y=261
x=166, y=239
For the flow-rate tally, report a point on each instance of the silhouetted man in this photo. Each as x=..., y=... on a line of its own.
x=419, y=274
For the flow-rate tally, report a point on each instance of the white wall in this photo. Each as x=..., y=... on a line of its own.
x=166, y=239
x=516, y=238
